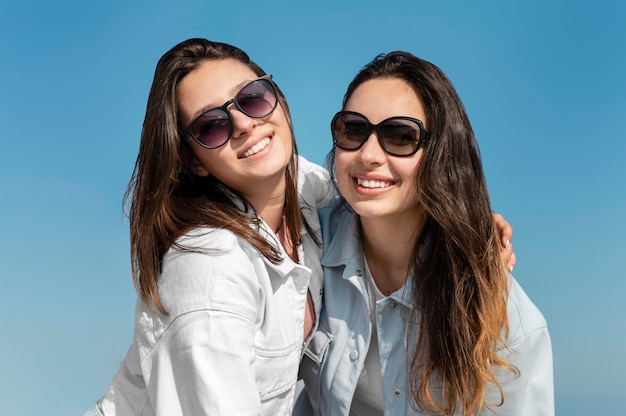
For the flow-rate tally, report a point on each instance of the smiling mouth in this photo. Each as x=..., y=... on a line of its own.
x=256, y=148
x=372, y=184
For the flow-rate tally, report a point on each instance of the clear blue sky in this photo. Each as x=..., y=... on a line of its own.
x=543, y=82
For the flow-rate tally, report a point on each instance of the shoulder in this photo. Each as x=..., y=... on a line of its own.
x=334, y=217
x=524, y=316
x=210, y=269
x=306, y=167
x=314, y=184
x=340, y=234
x=529, y=350
x=206, y=237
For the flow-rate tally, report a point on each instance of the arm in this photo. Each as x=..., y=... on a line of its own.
x=530, y=351
x=203, y=360
x=208, y=361
x=532, y=392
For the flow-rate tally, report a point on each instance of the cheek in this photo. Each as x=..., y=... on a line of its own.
x=410, y=166
x=343, y=161
x=280, y=120
x=205, y=161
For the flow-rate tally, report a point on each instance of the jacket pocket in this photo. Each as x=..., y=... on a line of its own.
x=275, y=373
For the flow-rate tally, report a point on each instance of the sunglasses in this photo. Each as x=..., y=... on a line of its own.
x=214, y=127
x=398, y=136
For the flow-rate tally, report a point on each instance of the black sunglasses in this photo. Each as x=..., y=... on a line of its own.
x=214, y=127
x=398, y=136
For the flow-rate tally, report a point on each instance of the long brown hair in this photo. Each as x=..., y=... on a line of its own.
x=166, y=198
x=460, y=287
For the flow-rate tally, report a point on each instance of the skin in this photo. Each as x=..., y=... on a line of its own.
x=506, y=234
x=260, y=177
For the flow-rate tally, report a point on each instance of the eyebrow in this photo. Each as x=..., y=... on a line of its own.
x=233, y=91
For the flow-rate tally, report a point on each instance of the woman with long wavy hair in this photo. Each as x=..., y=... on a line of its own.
x=419, y=316
x=225, y=256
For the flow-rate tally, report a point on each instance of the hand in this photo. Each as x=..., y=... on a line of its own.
x=506, y=234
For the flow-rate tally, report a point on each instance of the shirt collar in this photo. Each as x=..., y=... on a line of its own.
x=344, y=249
x=344, y=243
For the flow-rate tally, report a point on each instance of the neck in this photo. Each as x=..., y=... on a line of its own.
x=270, y=207
x=268, y=202
x=390, y=259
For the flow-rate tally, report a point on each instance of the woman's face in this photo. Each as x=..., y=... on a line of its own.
x=254, y=160
x=373, y=182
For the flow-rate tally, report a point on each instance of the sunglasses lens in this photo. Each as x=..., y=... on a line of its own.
x=257, y=99
x=212, y=128
x=349, y=131
x=401, y=137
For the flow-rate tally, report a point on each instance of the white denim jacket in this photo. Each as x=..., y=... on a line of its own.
x=335, y=356
x=233, y=339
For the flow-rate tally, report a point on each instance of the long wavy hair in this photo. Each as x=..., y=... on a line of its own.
x=166, y=198
x=460, y=287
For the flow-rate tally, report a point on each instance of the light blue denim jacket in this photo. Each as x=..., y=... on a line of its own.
x=335, y=356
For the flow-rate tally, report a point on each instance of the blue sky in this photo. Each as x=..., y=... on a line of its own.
x=543, y=83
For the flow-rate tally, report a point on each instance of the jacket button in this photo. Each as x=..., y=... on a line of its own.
x=359, y=273
x=394, y=305
x=397, y=392
x=354, y=354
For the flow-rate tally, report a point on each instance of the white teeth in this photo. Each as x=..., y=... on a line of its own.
x=257, y=147
x=372, y=184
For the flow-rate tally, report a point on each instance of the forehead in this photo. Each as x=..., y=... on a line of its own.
x=381, y=98
x=210, y=85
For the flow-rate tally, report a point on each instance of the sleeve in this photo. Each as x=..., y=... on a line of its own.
x=314, y=184
x=530, y=351
x=204, y=362
x=532, y=392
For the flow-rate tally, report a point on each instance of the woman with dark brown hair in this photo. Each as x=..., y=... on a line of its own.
x=419, y=316
x=225, y=256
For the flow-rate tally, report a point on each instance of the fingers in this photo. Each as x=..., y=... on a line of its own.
x=509, y=257
x=506, y=235
x=504, y=229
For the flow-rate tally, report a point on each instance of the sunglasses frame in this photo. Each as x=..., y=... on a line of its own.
x=224, y=107
x=376, y=127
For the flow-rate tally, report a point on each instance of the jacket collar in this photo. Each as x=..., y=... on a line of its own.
x=344, y=249
x=345, y=243
x=265, y=231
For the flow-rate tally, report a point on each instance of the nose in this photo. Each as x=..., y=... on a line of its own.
x=242, y=124
x=371, y=153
